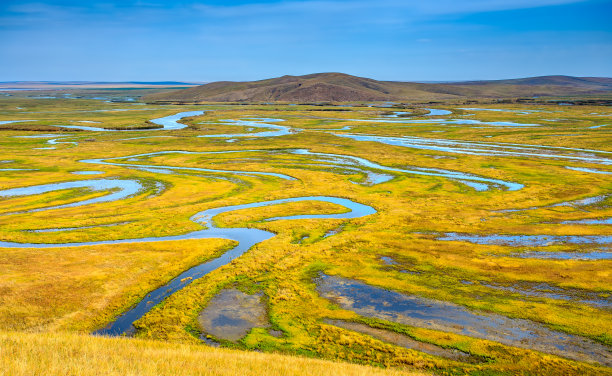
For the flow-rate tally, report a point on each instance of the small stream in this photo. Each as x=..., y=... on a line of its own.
x=277, y=130
x=477, y=182
x=487, y=149
x=160, y=168
x=119, y=189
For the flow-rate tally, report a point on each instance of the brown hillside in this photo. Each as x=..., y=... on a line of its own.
x=339, y=87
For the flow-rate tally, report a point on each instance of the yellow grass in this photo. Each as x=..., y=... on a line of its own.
x=83, y=288
x=72, y=354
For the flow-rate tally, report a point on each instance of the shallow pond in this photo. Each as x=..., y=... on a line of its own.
x=402, y=340
x=594, y=255
x=231, y=314
x=526, y=240
x=544, y=290
x=370, y=301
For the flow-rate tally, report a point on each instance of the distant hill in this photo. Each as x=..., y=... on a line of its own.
x=61, y=85
x=587, y=82
x=339, y=87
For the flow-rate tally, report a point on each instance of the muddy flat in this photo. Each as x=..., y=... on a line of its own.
x=231, y=314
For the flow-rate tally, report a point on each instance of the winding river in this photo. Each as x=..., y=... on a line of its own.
x=246, y=238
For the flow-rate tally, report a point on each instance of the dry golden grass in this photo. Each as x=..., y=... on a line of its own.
x=83, y=288
x=72, y=354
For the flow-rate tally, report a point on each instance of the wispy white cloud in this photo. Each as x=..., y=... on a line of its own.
x=478, y=6
x=256, y=8
x=417, y=7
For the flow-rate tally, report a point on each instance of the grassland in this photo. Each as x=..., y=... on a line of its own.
x=71, y=354
x=58, y=295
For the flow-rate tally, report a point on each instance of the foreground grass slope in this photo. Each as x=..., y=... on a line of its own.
x=72, y=354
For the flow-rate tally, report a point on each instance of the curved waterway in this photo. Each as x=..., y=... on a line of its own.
x=119, y=189
x=172, y=122
x=160, y=168
x=431, y=112
x=522, y=112
x=204, y=218
x=487, y=149
x=3, y=122
x=398, y=120
x=277, y=130
x=54, y=139
x=602, y=221
x=477, y=182
x=589, y=170
x=168, y=123
x=438, y=112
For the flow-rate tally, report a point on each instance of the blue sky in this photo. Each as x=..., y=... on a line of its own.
x=405, y=40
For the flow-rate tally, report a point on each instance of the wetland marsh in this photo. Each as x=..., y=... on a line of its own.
x=456, y=240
